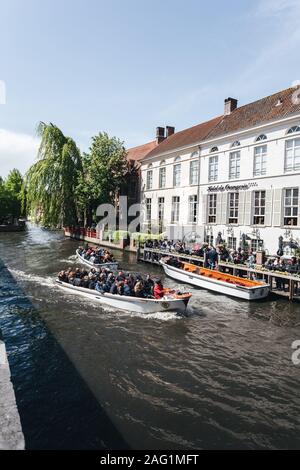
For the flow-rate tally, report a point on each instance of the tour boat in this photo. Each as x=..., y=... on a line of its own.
x=108, y=265
x=170, y=302
x=217, y=281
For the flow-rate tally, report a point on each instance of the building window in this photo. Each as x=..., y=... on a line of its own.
x=236, y=143
x=214, y=149
x=213, y=168
x=161, y=212
x=231, y=243
x=194, y=167
x=259, y=208
x=177, y=174
x=193, y=208
x=293, y=129
x=261, y=137
x=233, y=208
x=212, y=208
x=260, y=160
x=234, y=165
x=148, y=210
x=175, y=209
x=292, y=155
x=162, y=177
x=149, y=177
x=257, y=244
x=290, y=206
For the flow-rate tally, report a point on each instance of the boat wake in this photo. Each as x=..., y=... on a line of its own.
x=22, y=276
x=70, y=260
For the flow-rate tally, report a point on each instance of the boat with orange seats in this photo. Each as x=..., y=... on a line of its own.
x=216, y=281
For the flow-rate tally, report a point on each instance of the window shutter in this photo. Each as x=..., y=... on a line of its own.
x=248, y=208
x=268, y=208
x=204, y=209
x=241, y=208
x=222, y=209
x=277, y=207
x=219, y=208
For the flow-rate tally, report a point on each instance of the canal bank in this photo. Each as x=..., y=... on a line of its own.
x=11, y=435
x=221, y=377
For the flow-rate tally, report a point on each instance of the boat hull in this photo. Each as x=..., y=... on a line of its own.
x=131, y=304
x=113, y=265
x=253, y=293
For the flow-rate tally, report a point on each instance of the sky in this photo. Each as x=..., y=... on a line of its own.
x=128, y=66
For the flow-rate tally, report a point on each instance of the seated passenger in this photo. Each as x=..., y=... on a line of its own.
x=158, y=290
x=126, y=289
x=149, y=285
x=100, y=287
x=92, y=283
x=85, y=282
x=77, y=281
x=139, y=289
x=120, y=288
x=114, y=288
x=62, y=276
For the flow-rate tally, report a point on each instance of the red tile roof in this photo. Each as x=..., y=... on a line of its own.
x=186, y=137
x=139, y=152
x=277, y=106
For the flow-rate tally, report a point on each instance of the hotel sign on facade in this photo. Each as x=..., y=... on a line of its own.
x=231, y=187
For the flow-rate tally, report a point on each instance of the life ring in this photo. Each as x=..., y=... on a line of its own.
x=165, y=305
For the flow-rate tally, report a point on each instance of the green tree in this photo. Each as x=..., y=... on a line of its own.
x=51, y=182
x=104, y=171
x=10, y=196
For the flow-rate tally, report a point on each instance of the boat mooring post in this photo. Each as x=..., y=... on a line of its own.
x=291, y=289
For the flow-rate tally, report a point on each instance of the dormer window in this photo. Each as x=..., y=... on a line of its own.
x=261, y=137
x=293, y=129
x=236, y=143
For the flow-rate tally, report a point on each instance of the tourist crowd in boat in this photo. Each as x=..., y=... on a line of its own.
x=105, y=281
x=96, y=255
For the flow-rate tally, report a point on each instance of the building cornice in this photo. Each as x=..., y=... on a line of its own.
x=222, y=137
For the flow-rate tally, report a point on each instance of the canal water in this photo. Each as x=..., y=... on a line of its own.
x=86, y=377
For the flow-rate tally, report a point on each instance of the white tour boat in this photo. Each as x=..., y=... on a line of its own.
x=217, y=281
x=170, y=302
x=109, y=265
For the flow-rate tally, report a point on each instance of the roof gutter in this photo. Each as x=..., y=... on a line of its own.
x=223, y=136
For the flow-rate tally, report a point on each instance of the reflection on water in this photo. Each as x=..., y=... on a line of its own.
x=221, y=377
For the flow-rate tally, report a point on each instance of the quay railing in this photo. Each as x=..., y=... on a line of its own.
x=153, y=256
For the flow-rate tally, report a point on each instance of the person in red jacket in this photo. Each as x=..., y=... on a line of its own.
x=158, y=290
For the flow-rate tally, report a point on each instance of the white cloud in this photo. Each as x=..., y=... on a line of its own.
x=16, y=151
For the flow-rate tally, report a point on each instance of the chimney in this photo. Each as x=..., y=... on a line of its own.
x=160, y=134
x=170, y=131
x=230, y=104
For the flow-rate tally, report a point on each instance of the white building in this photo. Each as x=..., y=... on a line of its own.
x=236, y=176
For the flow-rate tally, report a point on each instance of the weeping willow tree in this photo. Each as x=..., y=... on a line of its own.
x=51, y=181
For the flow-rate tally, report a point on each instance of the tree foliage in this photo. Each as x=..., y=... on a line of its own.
x=11, y=197
x=51, y=182
x=104, y=169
